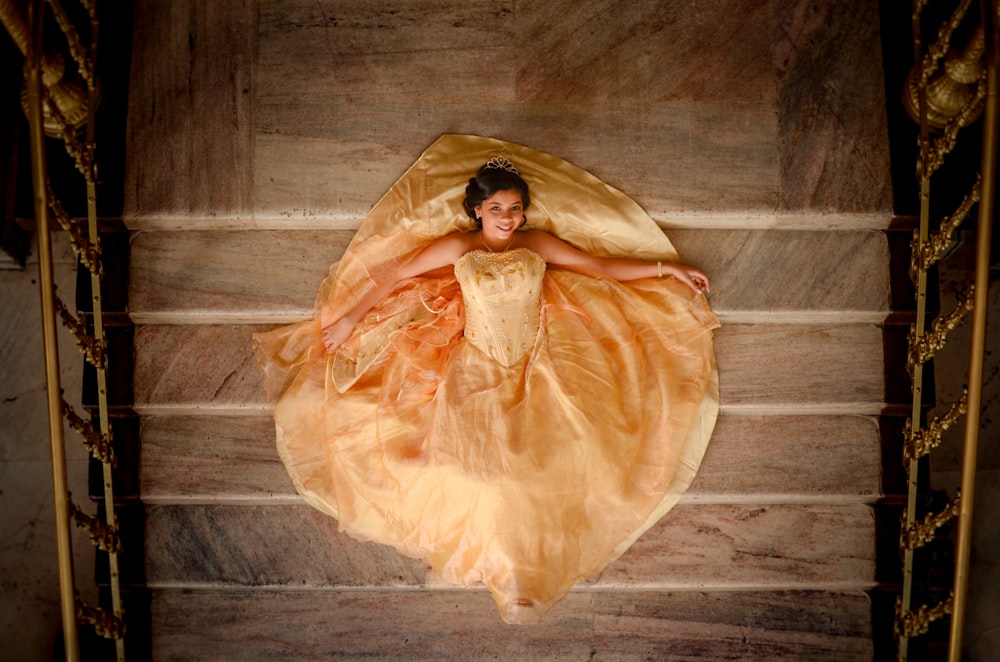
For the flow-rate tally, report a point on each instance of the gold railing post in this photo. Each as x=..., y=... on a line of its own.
x=918, y=330
x=977, y=343
x=58, y=445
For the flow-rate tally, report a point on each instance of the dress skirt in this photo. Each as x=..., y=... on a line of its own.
x=525, y=478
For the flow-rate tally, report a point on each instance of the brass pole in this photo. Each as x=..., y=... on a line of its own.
x=912, y=467
x=978, y=340
x=110, y=515
x=47, y=287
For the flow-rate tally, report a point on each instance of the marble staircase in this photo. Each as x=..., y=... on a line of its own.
x=260, y=132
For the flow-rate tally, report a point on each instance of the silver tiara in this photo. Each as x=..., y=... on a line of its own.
x=501, y=163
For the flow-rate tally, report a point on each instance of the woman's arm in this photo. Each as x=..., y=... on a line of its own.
x=440, y=253
x=556, y=251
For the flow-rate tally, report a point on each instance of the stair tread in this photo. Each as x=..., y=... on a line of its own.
x=751, y=459
x=290, y=116
x=191, y=277
x=818, y=366
x=438, y=625
x=682, y=131
x=693, y=546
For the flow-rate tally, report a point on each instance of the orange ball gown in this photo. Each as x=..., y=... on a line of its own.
x=510, y=424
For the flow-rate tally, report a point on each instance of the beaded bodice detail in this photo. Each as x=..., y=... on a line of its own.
x=502, y=293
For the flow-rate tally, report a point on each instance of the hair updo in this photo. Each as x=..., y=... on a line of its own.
x=488, y=180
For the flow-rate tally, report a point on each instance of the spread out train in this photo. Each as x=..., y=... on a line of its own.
x=509, y=423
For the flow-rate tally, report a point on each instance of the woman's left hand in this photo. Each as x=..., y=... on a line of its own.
x=693, y=278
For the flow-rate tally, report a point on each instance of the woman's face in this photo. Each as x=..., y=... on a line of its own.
x=502, y=212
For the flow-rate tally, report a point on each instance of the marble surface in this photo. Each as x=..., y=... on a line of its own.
x=435, y=625
x=725, y=120
x=808, y=368
x=693, y=547
x=30, y=617
x=751, y=459
x=716, y=107
x=833, y=135
x=790, y=459
x=191, y=459
x=197, y=277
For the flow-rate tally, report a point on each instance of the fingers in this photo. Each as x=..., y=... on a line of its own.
x=698, y=280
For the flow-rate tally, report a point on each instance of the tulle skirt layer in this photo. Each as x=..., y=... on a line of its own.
x=528, y=478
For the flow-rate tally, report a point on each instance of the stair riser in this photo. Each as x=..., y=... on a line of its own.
x=736, y=106
x=703, y=547
x=807, y=368
x=448, y=625
x=246, y=277
x=751, y=459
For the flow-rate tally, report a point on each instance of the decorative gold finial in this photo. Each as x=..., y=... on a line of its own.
x=953, y=90
x=65, y=110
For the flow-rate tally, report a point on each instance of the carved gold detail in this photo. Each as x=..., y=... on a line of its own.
x=104, y=536
x=59, y=126
x=93, y=350
x=69, y=97
x=951, y=90
x=90, y=254
x=76, y=49
x=918, y=6
x=943, y=43
x=923, y=257
x=915, y=623
x=943, y=145
x=924, y=348
x=100, y=445
x=105, y=623
x=920, y=442
x=920, y=533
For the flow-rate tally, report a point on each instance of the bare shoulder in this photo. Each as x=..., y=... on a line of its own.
x=441, y=252
x=551, y=248
x=452, y=246
x=537, y=240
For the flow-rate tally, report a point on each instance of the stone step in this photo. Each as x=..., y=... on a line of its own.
x=292, y=113
x=800, y=368
x=306, y=625
x=751, y=460
x=704, y=547
x=271, y=276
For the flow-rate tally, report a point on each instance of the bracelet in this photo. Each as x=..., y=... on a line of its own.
x=659, y=268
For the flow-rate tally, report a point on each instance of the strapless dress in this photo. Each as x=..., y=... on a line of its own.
x=511, y=425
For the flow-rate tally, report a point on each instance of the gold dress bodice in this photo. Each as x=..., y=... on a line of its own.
x=502, y=293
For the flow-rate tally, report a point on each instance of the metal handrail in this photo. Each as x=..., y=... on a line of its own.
x=977, y=342
x=71, y=641
x=927, y=250
x=39, y=97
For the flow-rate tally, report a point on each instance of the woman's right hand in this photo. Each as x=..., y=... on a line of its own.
x=336, y=333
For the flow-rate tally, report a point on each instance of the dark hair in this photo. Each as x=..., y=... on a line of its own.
x=489, y=180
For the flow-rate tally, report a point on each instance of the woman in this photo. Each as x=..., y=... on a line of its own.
x=512, y=405
x=496, y=199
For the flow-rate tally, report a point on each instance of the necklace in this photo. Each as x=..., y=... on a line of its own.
x=502, y=250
